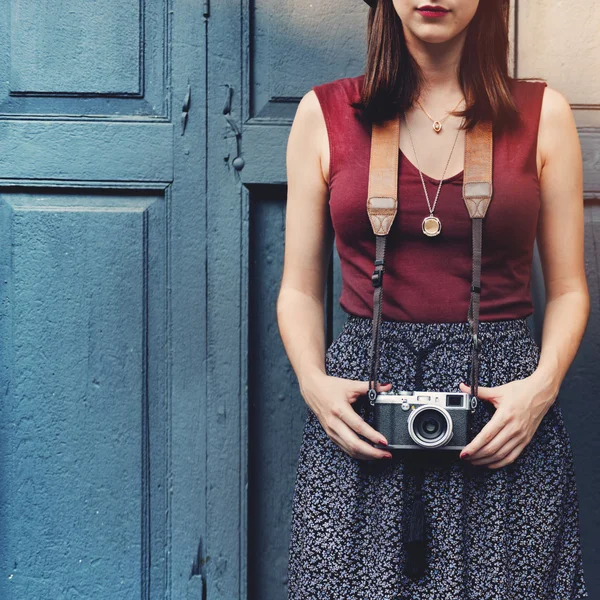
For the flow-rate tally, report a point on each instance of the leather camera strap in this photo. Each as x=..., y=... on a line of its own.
x=382, y=206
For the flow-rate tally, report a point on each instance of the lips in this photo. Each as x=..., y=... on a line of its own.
x=430, y=8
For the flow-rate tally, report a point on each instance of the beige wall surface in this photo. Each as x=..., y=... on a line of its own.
x=560, y=41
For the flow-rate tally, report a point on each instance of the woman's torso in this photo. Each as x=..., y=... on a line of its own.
x=428, y=279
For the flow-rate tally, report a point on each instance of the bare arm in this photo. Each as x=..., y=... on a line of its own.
x=308, y=243
x=522, y=404
x=560, y=239
x=300, y=304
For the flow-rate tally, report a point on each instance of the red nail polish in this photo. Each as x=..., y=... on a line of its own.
x=383, y=442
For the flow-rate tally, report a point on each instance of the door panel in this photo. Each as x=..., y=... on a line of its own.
x=101, y=299
x=85, y=393
x=107, y=59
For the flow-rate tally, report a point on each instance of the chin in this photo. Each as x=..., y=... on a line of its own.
x=427, y=36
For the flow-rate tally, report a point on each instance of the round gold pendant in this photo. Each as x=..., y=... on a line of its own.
x=431, y=226
x=437, y=126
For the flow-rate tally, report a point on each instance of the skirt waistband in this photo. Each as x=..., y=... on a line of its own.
x=414, y=355
x=362, y=326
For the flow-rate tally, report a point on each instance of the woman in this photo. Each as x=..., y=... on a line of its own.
x=501, y=519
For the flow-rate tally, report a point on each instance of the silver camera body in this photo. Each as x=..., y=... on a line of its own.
x=424, y=420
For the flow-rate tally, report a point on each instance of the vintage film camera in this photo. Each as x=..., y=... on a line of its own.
x=423, y=420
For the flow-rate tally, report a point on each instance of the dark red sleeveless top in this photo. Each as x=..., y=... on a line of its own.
x=428, y=279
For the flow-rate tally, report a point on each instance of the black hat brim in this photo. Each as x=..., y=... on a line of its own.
x=371, y=2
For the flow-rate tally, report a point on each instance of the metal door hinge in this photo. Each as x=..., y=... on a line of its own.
x=206, y=10
x=196, y=582
x=185, y=108
x=238, y=162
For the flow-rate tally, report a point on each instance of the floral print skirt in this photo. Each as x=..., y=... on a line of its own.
x=510, y=533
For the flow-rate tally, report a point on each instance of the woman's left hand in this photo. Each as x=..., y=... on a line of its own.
x=520, y=407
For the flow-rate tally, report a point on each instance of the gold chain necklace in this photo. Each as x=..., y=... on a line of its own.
x=431, y=225
x=437, y=123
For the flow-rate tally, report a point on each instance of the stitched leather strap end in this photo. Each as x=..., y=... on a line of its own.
x=382, y=212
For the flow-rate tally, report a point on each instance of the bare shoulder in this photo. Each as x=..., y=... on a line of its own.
x=309, y=107
x=309, y=113
x=309, y=130
x=557, y=126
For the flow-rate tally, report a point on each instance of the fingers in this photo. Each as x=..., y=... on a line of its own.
x=360, y=388
x=352, y=445
x=342, y=424
x=359, y=425
x=488, y=432
x=509, y=458
x=485, y=393
x=499, y=455
x=357, y=448
x=498, y=448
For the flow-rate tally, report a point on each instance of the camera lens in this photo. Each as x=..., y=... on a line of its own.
x=430, y=426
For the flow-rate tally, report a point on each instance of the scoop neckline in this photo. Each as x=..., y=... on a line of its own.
x=425, y=176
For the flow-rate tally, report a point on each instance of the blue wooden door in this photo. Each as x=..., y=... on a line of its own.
x=102, y=311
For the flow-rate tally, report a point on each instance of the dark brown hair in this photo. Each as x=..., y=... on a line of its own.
x=393, y=78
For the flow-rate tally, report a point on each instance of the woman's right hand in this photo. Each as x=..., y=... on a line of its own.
x=330, y=398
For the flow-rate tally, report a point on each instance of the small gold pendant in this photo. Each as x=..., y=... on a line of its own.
x=437, y=126
x=431, y=226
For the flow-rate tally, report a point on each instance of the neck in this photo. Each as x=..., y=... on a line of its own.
x=439, y=65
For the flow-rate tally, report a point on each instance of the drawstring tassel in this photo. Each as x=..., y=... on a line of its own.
x=414, y=539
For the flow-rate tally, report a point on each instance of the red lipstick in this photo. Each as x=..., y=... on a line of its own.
x=429, y=10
